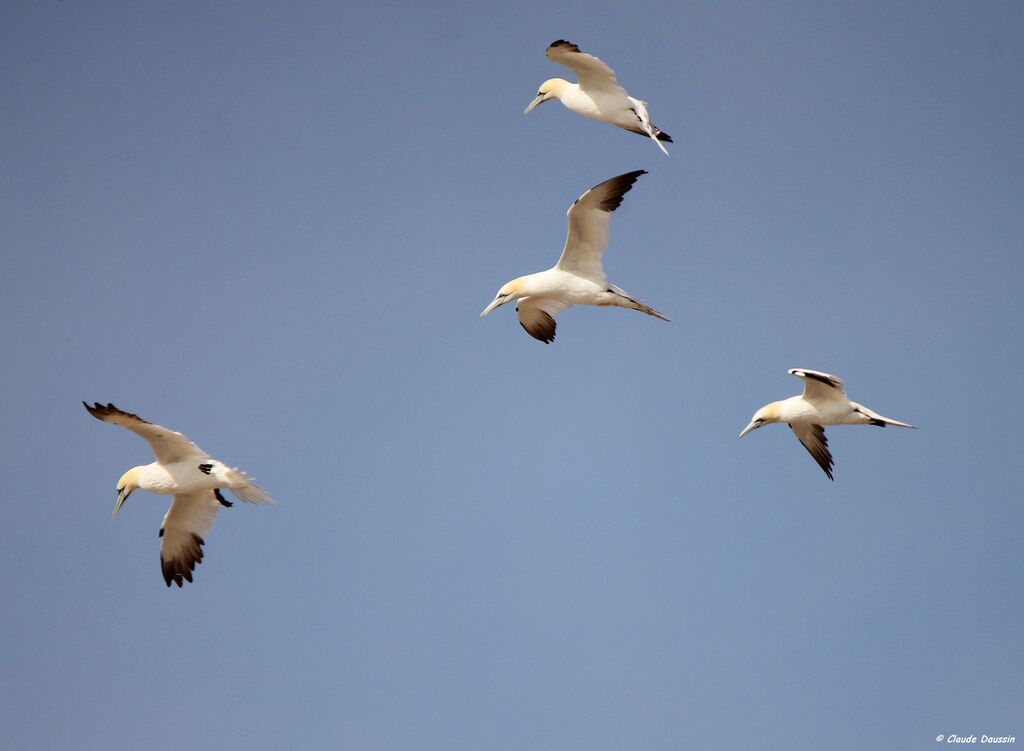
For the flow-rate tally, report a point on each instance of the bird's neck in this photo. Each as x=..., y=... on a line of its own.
x=562, y=88
x=531, y=284
x=155, y=478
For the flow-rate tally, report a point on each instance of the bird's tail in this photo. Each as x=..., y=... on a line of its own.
x=655, y=135
x=643, y=308
x=640, y=109
x=880, y=420
x=625, y=301
x=243, y=486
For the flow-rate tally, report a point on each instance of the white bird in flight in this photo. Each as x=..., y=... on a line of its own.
x=598, y=94
x=823, y=402
x=578, y=277
x=186, y=471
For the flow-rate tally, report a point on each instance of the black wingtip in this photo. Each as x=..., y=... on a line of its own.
x=179, y=570
x=543, y=331
x=632, y=177
x=663, y=136
x=99, y=411
x=815, y=377
x=623, y=183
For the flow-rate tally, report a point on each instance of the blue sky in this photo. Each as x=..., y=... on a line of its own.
x=273, y=228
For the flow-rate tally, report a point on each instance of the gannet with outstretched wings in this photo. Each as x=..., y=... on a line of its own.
x=823, y=402
x=598, y=94
x=578, y=277
x=192, y=476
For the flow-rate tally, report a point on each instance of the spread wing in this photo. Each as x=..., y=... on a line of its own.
x=168, y=447
x=593, y=75
x=818, y=384
x=183, y=533
x=537, y=316
x=589, y=219
x=814, y=440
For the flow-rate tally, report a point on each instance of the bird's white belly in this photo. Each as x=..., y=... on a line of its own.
x=181, y=477
x=827, y=413
x=570, y=288
x=609, y=109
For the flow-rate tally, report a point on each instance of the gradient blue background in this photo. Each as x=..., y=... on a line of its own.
x=272, y=226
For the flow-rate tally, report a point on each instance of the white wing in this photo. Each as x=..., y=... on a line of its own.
x=589, y=219
x=537, y=316
x=183, y=533
x=818, y=385
x=168, y=446
x=814, y=440
x=593, y=75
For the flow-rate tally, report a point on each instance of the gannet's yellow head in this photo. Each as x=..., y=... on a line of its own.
x=550, y=89
x=511, y=291
x=768, y=414
x=128, y=483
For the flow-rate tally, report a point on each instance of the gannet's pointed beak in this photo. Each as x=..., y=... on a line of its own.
x=540, y=98
x=494, y=303
x=752, y=426
x=122, y=496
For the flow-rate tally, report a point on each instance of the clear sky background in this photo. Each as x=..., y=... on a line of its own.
x=272, y=226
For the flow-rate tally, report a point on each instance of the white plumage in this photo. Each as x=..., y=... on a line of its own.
x=192, y=476
x=598, y=94
x=578, y=277
x=823, y=402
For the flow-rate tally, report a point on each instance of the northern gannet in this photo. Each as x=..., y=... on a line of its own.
x=186, y=471
x=823, y=403
x=577, y=278
x=598, y=94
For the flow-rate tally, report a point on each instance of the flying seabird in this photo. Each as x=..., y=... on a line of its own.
x=823, y=402
x=577, y=278
x=186, y=471
x=598, y=94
